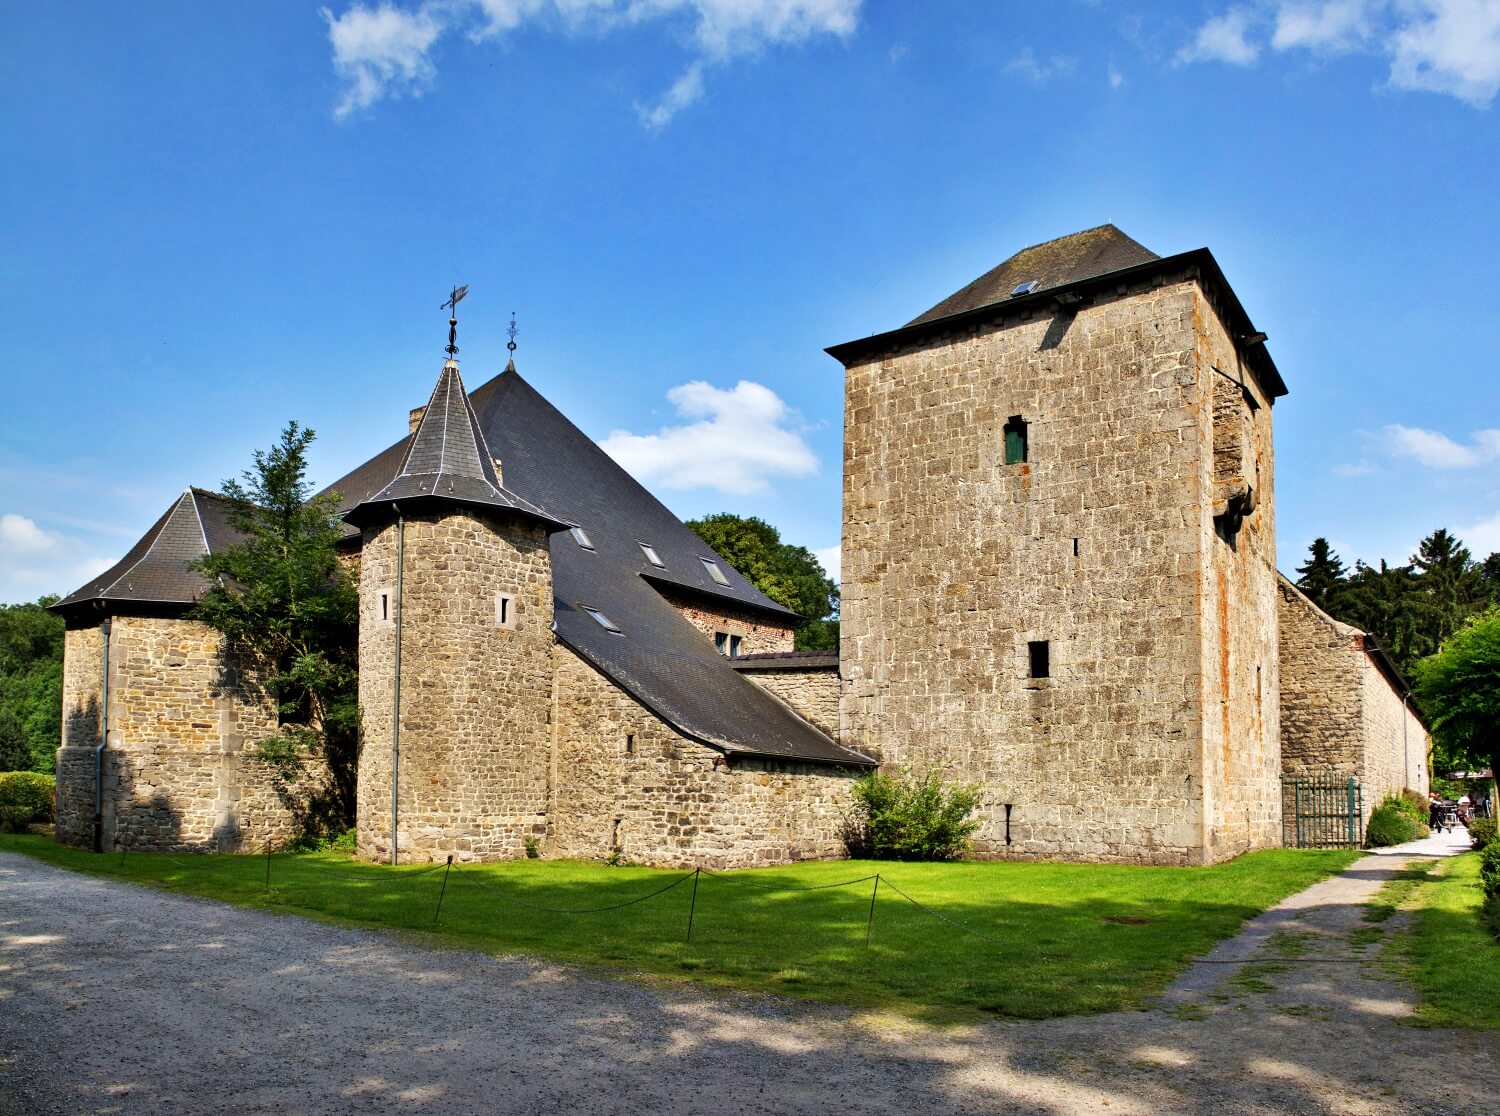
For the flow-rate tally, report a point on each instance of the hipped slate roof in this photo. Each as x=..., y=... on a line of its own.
x=660, y=659
x=155, y=571
x=447, y=459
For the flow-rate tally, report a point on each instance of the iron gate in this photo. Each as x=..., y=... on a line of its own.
x=1322, y=810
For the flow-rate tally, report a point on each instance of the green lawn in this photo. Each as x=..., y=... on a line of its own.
x=1069, y=938
x=1449, y=953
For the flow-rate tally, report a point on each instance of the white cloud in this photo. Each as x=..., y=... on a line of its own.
x=1116, y=79
x=34, y=561
x=831, y=557
x=385, y=51
x=1040, y=72
x=1223, y=39
x=1435, y=46
x=381, y=52
x=1438, y=451
x=1483, y=538
x=741, y=441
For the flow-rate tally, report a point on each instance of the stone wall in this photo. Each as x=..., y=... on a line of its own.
x=813, y=694
x=475, y=696
x=759, y=633
x=623, y=780
x=1098, y=544
x=1395, y=740
x=181, y=715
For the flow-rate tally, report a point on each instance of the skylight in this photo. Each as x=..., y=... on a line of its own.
x=602, y=620
x=713, y=570
x=651, y=556
x=1024, y=288
x=581, y=537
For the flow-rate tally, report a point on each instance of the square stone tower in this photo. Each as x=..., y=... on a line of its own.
x=1059, y=554
x=455, y=648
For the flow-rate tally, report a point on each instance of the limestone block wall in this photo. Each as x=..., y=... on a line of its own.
x=759, y=634
x=622, y=779
x=955, y=561
x=475, y=695
x=181, y=715
x=814, y=694
x=1395, y=740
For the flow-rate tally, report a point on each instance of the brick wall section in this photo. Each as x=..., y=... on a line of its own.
x=953, y=561
x=176, y=776
x=760, y=634
x=475, y=697
x=814, y=694
x=672, y=802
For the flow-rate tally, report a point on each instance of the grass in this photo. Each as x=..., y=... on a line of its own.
x=1069, y=938
x=1448, y=951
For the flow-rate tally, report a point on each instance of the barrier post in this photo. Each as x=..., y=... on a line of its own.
x=693, y=910
x=870, y=922
x=444, y=890
x=268, y=866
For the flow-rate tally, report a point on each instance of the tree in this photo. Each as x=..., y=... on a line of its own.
x=1323, y=576
x=1459, y=690
x=790, y=575
x=1448, y=583
x=1382, y=601
x=289, y=611
x=31, y=650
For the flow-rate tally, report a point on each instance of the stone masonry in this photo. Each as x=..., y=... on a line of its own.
x=1155, y=736
x=814, y=693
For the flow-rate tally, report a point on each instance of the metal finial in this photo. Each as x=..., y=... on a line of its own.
x=511, y=344
x=452, y=306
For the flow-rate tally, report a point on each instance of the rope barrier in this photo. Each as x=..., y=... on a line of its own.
x=574, y=910
x=949, y=921
x=783, y=887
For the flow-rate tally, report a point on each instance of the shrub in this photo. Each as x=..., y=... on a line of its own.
x=906, y=816
x=1391, y=824
x=1489, y=875
x=28, y=796
x=12, y=819
x=1481, y=833
x=1414, y=804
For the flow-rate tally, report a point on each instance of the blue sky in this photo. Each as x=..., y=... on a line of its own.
x=218, y=217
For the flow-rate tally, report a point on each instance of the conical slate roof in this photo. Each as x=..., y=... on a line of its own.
x=1056, y=263
x=447, y=459
x=155, y=571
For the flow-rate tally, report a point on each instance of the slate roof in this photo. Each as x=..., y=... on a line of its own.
x=787, y=660
x=659, y=657
x=155, y=571
x=1055, y=263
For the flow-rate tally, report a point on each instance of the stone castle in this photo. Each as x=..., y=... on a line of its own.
x=1059, y=580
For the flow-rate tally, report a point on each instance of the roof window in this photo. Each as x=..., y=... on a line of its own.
x=1024, y=288
x=581, y=537
x=713, y=570
x=651, y=556
x=602, y=620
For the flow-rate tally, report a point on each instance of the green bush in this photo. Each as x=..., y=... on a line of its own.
x=1414, y=804
x=28, y=796
x=1481, y=833
x=13, y=819
x=1489, y=874
x=1391, y=824
x=906, y=816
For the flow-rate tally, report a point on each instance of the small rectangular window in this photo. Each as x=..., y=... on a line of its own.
x=1038, y=652
x=581, y=537
x=1015, y=440
x=385, y=606
x=602, y=620
x=505, y=610
x=713, y=570
x=651, y=556
x=721, y=642
x=629, y=743
x=734, y=646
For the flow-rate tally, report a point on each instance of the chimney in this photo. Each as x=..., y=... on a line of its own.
x=415, y=419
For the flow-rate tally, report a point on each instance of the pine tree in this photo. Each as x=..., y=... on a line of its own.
x=1323, y=576
x=1448, y=589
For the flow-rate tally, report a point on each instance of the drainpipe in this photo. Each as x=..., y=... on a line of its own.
x=99, y=750
x=1405, y=751
x=396, y=690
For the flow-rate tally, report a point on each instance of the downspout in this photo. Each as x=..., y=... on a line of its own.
x=99, y=750
x=396, y=691
x=1405, y=750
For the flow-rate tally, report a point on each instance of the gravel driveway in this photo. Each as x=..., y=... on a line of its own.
x=115, y=998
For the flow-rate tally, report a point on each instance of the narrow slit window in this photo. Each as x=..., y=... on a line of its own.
x=602, y=620
x=505, y=610
x=629, y=743
x=1039, y=658
x=1015, y=440
x=385, y=605
x=651, y=556
x=581, y=537
x=713, y=570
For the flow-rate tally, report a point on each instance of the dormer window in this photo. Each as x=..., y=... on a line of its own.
x=651, y=556
x=713, y=570
x=728, y=644
x=581, y=537
x=602, y=620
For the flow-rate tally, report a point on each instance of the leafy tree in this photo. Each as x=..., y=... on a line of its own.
x=789, y=575
x=288, y=611
x=31, y=648
x=15, y=752
x=1459, y=690
x=1323, y=576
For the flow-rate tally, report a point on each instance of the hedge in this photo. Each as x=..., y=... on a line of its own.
x=26, y=797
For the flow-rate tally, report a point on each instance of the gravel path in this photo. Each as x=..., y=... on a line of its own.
x=120, y=999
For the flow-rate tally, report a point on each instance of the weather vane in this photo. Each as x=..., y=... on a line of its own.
x=452, y=305
x=511, y=344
